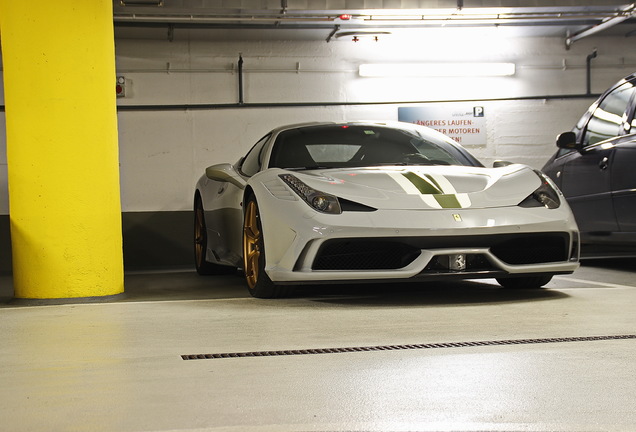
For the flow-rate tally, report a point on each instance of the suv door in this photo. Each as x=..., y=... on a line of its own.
x=624, y=181
x=584, y=173
x=586, y=184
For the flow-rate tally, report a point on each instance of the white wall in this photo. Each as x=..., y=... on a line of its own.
x=162, y=153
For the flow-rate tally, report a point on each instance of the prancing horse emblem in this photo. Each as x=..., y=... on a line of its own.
x=457, y=217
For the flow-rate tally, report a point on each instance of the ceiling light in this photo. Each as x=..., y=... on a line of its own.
x=436, y=69
x=141, y=2
x=361, y=33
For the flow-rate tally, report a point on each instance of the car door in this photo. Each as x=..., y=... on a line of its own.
x=624, y=181
x=623, y=170
x=586, y=175
x=586, y=184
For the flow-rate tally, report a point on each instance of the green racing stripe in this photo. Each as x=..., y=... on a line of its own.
x=427, y=185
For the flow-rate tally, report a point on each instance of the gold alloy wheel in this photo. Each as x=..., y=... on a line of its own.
x=251, y=244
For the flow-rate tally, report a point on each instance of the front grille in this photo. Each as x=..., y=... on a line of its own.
x=363, y=254
x=395, y=253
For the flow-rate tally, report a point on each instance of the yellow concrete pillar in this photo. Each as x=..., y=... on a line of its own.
x=64, y=202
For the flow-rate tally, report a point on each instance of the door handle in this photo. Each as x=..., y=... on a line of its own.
x=603, y=164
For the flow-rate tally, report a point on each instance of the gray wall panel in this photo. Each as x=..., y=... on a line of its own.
x=151, y=239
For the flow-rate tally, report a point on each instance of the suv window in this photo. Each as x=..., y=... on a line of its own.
x=254, y=159
x=610, y=116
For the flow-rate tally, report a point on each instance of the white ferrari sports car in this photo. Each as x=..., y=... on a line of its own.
x=365, y=201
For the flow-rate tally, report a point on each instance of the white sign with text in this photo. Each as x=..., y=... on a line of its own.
x=466, y=124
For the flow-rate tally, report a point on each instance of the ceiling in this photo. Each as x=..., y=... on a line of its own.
x=333, y=20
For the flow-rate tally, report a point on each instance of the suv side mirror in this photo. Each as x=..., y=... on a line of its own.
x=567, y=140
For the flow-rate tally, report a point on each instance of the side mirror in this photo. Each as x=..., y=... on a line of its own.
x=225, y=173
x=567, y=140
x=501, y=163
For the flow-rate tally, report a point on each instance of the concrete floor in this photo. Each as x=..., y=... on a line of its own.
x=119, y=366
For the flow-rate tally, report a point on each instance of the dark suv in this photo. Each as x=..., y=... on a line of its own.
x=595, y=167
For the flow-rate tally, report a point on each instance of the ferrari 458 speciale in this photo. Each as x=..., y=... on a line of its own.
x=371, y=201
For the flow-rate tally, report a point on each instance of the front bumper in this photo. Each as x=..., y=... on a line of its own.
x=294, y=246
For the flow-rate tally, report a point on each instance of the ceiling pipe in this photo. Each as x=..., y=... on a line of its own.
x=327, y=18
x=595, y=19
x=621, y=16
x=333, y=33
x=240, y=79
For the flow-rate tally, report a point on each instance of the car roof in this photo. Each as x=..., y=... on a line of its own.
x=396, y=124
x=630, y=77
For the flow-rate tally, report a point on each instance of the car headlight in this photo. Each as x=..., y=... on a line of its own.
x=319, y=201
x=546, y=195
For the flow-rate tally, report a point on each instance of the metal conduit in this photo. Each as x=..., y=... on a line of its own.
x=240, y=79
x=559, y=17
x=562, y=66
x=185, y=107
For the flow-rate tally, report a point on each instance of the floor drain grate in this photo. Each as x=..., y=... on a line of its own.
x=403, y=347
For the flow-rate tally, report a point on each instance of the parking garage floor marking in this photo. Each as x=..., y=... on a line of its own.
x=403, y=347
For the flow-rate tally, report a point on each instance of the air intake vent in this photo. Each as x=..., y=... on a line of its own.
x=356, y=254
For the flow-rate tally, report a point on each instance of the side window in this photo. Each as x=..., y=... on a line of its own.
x=254, y=159
x=608, y=118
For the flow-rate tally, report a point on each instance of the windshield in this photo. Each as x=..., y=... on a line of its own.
x=348, y=146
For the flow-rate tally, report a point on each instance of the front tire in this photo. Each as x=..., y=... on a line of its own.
x=258, y=282
x=202, y=266
x=525, y=282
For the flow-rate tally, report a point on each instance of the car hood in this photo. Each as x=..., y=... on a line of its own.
x=426, y=187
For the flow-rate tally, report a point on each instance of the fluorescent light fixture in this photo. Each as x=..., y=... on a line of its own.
x=141, y=2
x=436, y=69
